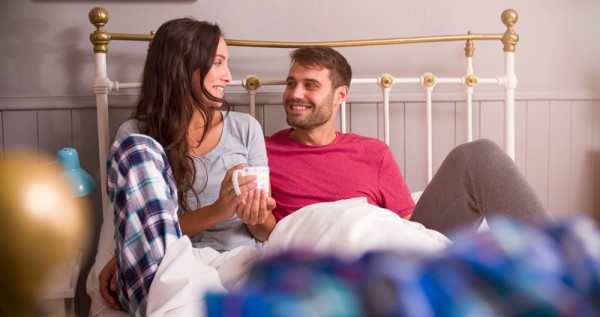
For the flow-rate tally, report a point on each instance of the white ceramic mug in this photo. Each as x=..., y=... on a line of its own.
x=262, y=177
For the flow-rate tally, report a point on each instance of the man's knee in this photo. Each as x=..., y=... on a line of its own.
x=483, y=149
x=484, y=145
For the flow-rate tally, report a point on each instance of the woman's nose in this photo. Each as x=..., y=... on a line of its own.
x=227, y=75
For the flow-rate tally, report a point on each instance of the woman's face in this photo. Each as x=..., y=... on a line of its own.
x=217, y=77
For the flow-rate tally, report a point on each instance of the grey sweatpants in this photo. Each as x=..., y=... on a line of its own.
x=477, y=180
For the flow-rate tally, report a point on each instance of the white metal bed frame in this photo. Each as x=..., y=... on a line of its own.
x=103, y=86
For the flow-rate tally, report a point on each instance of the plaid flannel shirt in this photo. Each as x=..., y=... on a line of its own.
x=143, y=195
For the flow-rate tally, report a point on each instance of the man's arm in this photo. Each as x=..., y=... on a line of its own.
x=394, y=191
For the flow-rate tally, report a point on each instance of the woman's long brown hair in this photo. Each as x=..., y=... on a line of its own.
x=168, y=97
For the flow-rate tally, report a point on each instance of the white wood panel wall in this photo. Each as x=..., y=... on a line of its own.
x=557, y=148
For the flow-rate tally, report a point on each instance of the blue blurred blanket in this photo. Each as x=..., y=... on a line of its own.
x=513, y=270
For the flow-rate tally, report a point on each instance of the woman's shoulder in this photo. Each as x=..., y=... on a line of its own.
x=129, y=126
x=238, y=116
x=240, y=119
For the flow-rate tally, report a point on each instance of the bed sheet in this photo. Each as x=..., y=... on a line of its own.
x=346, y=228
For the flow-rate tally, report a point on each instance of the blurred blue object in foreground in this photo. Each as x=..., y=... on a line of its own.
x=513, y=270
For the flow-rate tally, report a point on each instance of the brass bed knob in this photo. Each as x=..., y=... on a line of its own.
x=99, y=17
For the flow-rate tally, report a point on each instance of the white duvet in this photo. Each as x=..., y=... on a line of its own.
x=346, y=228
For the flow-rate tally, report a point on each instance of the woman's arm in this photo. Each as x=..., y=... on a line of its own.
x=257, y=213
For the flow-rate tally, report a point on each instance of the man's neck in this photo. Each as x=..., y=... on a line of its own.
x=314, y=137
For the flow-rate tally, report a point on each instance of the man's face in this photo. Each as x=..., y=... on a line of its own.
x=309, y=97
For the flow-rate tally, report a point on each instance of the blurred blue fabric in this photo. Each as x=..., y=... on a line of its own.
x=513, y=270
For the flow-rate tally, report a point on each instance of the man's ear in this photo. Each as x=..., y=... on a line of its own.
x=341, y=94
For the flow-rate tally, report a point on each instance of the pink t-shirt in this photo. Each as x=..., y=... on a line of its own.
x=351, y=166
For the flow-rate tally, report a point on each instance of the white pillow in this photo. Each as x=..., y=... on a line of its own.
x=349, y=228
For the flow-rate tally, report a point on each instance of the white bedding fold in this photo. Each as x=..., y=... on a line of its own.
x=187, y=273
x=349, y=228
x=346, y=228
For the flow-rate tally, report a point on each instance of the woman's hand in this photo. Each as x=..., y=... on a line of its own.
x=257, y=214
x=257, y=207
x=107, y=280
x=228, y=201
x=254, y=206
x=223, y=208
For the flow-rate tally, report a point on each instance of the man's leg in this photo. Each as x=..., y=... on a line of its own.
x=475, y=181
x=144, y=199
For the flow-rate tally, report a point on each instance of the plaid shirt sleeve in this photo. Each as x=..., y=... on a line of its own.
x=143, y=196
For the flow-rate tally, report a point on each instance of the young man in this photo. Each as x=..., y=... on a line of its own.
x=312, y=163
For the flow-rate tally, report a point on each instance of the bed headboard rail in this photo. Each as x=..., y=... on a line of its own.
x=508, y=80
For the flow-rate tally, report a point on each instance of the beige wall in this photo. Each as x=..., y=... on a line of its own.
x=45, y=49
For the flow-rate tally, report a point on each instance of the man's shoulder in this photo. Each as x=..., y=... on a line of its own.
x=277, y=136
x=356, y=138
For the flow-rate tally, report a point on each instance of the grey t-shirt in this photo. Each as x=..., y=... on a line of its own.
x=242, y=141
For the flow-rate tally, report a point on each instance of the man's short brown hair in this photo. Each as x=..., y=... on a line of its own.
x=325, y=57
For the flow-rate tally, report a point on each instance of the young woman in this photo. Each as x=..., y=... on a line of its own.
x=170, y=166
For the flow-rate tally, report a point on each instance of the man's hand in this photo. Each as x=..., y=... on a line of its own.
x=108, y=283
